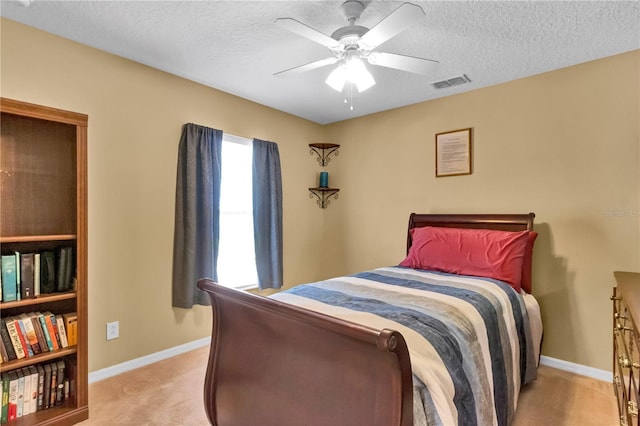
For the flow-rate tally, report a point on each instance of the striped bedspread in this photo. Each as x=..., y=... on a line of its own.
x=469, y=338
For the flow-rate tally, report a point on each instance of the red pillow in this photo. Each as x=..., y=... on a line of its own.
x=527, y=262
x=478, y=252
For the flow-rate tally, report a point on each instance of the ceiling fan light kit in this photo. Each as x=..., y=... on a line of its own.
x=352, y=45
x=353, y=71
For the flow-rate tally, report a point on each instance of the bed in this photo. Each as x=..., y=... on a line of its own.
x=410, y=344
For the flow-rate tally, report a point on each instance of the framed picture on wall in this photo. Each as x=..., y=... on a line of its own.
x=453, y=153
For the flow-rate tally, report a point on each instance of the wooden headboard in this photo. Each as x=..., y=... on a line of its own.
x=502, y=222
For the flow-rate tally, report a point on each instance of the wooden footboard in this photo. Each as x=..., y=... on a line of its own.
x=276, y=364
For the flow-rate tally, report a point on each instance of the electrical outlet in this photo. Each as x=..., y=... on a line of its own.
x=113, y=330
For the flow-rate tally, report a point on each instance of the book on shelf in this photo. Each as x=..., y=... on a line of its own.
x=18, y=276
x=54, y=385
x=71, y=326
x=30, y=333
x=62, y=331
x=36, y=274
x=26, y=390
x=20, y=400
x=14, y=335
x=61, y=260
x=47, y=271
x=60, y=383
x=3, y=352
x=52, y=326
x=9, y=278
x=47, y=327
x=46, y=393
x=23, y=337
x=24, y=387
x=26, y=275
x=64, y=268
x=34, y=388
x=12, y=409
x=40, y=403
x=45, y=330
x=42, y=341
x=29, y=388
x=4, y=335
x=4, y=414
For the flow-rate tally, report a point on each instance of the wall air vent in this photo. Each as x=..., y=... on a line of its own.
x=454, y=81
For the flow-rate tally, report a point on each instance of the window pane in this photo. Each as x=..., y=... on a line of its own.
x=236, y=256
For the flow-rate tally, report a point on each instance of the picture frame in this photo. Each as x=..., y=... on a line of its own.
x=453, y=153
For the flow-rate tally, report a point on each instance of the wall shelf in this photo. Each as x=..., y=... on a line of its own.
x=323, y=195
x=323, y=151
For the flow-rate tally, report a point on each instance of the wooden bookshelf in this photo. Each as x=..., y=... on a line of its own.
x=43, y=177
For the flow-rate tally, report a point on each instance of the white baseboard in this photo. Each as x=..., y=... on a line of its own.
x=114, y=370
x=571, y=367
x=147, y=359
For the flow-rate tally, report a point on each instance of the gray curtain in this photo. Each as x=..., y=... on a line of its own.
x=267, y=213
x=197, y=218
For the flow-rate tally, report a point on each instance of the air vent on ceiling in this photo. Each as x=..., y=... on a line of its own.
x=454, y=81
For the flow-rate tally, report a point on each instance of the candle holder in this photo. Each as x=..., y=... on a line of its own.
x=324, y=180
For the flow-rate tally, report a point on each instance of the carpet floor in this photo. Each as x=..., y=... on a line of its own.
x=169, y=393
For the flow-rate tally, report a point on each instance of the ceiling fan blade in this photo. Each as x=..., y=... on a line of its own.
x=306, y=31
x=397, y=21
x=403, y=62
x=308, y=67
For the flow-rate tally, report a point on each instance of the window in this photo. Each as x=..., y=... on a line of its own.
x=236, y=252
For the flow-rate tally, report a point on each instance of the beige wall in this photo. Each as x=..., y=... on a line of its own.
x=563, y=144
x=135, y=118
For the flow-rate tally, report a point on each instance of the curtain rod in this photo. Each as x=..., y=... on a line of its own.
x=237, y=139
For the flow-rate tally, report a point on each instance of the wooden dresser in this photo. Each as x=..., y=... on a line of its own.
x=626, y=345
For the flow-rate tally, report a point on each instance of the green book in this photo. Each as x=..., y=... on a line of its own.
x=9, y=278
x=4, y=414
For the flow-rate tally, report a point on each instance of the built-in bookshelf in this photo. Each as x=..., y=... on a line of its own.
x=43, y=177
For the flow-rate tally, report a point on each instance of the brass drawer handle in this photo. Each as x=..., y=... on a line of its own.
x=624, y=361
x=615, y=298
x=622, y=327
x=617, y=315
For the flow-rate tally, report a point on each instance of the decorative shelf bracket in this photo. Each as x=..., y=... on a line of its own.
x=323, y=195
x=323, y=151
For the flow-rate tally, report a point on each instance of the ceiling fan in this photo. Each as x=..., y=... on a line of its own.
x=352, y=44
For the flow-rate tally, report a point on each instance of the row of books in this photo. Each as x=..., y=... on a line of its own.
x=37, y=387
x=29, y=334
x=27, y=275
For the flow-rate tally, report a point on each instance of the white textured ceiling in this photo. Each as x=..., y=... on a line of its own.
x=234, y=46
